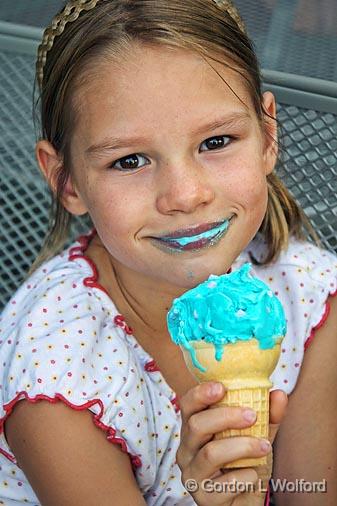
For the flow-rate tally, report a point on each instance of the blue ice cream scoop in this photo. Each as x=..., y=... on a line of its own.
x=226, y=309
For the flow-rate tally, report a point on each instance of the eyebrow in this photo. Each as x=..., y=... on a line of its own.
x=113, y=143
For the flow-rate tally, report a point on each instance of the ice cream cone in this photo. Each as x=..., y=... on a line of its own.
x=244, y=370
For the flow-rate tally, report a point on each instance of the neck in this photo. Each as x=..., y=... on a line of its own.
x=133, y=296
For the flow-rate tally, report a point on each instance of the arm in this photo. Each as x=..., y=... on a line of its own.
x=67, y=459
x=307, y=439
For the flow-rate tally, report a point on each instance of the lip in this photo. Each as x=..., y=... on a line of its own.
x=193, y=230
x=202, y=236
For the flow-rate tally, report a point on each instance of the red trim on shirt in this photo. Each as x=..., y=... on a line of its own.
x=319, y=325
x=78, y=252
x=175, y=403
x=267, y=498
x=151, y=366
x=110, y=431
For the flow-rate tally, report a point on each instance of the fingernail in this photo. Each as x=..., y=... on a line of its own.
x=249, y=415
x=265, y=445
x=215, y=389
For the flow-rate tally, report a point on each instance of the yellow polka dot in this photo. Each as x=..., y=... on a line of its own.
x=18, y=356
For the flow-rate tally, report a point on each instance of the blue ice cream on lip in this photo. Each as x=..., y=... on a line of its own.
x=226, y=309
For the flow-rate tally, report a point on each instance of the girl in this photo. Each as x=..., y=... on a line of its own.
x=153, y=123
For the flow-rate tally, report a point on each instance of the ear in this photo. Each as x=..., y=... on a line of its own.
x=270, y=132
x=50, y=164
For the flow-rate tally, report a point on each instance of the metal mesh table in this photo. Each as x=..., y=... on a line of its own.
x=293, y=36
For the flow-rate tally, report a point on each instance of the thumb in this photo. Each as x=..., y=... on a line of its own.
x=278, y=405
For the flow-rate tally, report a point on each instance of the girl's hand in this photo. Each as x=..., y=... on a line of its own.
x=201, y=458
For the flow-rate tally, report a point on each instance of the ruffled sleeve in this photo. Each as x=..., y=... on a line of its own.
x=60, y=342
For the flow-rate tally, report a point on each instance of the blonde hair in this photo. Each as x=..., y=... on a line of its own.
x=87, y=30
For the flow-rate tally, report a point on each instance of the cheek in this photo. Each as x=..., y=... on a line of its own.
x=118, y=206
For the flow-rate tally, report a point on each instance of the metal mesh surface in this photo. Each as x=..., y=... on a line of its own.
x=24, y=196
x=310, y=171
x=30, y=12
x=295, y=36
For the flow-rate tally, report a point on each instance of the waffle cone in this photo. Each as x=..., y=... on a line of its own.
x=244, y=370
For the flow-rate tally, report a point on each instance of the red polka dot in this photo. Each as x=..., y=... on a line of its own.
x=34, y=350
x=52, y=361
x=39, y=380
x=45, y=310
x=69, y=374
x=283, y=350
x=297, y=364
x=120, y=414
x=285, y=381
x=74, y=285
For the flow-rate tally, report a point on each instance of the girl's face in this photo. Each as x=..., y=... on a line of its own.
x=171, y=165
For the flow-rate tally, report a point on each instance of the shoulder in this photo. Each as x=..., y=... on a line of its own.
x=61, y=337
x=303, y=278
x=302, y=271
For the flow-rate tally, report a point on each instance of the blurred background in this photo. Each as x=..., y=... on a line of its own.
x=296, y=42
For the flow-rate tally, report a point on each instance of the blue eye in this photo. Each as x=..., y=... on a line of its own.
x=129, y=163
x=218, y=142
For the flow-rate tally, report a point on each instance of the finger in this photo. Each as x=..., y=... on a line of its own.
x=200, y=397
x=278, y=406
x=201, y=427
x=273, y=430
x=217, y=453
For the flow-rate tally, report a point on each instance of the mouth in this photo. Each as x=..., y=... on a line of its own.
x=195, y=238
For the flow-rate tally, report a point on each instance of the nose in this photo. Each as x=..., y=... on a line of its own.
x=183, y=188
